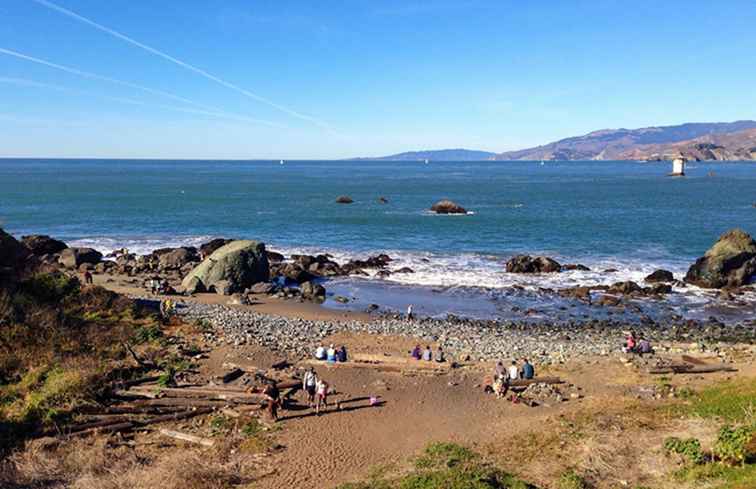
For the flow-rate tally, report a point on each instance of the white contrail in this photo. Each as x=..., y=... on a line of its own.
x=35, y=84
x=94, y=76
x=183, y=64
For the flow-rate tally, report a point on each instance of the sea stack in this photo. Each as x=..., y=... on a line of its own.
x=448, y=207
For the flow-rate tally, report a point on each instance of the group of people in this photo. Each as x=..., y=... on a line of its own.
x=316, y=389
x=427, y=355
x=636, y=344
x=158, y=286
x=331, y=354
x=503, y=376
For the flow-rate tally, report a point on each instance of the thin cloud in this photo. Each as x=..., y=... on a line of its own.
x=35, y=84
x=94, y=76
x=183, y=64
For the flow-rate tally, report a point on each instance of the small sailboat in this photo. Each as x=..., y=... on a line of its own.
x=426, y=161
x=281, y=162
x=542, y=163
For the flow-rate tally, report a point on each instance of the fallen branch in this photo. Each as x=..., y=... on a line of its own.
x=689, y=369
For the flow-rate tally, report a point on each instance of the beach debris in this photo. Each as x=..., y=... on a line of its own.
x=187, y=437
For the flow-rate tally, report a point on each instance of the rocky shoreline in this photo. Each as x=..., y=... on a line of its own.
x=474, y=339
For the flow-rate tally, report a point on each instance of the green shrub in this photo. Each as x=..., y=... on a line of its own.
x=732, y=445
x=689, y=449
x=147, y=334
x=443, y=455
x=572, y=480
x=50, y=287
x=252, y=428
x=733, y=401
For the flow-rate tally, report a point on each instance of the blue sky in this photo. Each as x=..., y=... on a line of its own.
x=349, y=78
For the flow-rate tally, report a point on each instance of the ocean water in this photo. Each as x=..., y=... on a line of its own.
x=623, y=215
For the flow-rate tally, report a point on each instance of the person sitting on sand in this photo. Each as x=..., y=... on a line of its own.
x=499, y=370
x=322, y=393
x=630, y=342
x=528, y=372
x=341, y=355
x=514, y=372
x=416, y=352
x=320, y=353
x=644, y=347
x=273, y=398
x=427, y=354
x=440, y=355
x=331, y=353
x=309, y=384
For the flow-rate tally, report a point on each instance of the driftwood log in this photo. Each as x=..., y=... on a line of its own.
x=187, y=437
x=691, y=369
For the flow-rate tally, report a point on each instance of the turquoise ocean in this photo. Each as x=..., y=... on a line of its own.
x=627, y=216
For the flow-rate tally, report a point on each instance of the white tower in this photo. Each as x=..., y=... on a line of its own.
x=678, y=167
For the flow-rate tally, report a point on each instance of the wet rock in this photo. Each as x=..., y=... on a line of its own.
x=344, y=199
x=40, y=244
x=312, y=291
x=731, y=262
x=73, y=257
x=611, y=270
x=529, y=264
x=261, y=288
x=404, y=270
x=576, y=266
x=447, y=207
x=382, y=200
x=660, y=276
x=274, y=257
x=626, y=288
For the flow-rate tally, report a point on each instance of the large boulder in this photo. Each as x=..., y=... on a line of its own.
x=731, y=262
x=344, y=199
x=176, y=258
x=532, y=264
x=40, y=244
x=313, y=292
x=447, y=207
x=72, y=258
x=231, y=268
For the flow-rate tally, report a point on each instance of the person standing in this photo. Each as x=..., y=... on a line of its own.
x=309, y=384
x=410, y=315
x=88, y=278
x=322, y=393
x=273, y=398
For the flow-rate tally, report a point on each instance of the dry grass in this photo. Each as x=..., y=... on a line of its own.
x=92, y=464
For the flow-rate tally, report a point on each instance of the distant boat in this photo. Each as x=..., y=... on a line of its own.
x=281, y=162
x=426, y=161
x=542, y=163
x=678, y=167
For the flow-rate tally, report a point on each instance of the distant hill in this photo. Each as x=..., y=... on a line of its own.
x=697, y=141
x=437, y=155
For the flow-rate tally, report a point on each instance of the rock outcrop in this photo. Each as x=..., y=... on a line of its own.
x=13, y=256
x=73, y=258
x=731, y=262
x=40, y=244
x=530, y=264
x=313, y=292
x=229, y=269
x=660, y=276
x=344, y=199
x=209, y=248
x=447, y=207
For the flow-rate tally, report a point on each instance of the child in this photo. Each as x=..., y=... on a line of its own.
x=322, y=393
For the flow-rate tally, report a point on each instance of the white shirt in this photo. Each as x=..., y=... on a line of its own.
x=514, y=373
x=320, y=352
